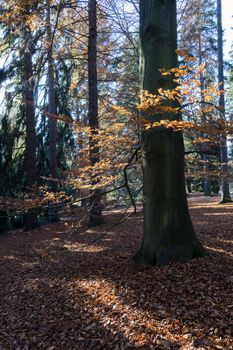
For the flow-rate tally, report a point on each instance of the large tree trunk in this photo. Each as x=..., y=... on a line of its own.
x=168, y=232
x=30, y=156
x=95, y=217
x=52, y=110
x=223, y=146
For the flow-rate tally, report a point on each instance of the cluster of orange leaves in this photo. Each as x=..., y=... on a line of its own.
x=112, y=142
x=165, y=107
x=110, y=145
x=40, y=198
x=17, y=12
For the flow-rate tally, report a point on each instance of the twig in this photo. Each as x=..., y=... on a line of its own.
x=126, y=177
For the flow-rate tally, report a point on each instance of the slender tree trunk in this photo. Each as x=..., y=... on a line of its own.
x=52, y=110
x=223, y=145
x=30, y=156
x=205, y=158
x=95, y=217
x=189, y=184
x=168, y=233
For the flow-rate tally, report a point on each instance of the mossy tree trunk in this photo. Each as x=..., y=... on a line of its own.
x=168, y=232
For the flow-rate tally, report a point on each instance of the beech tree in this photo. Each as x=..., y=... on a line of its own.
x=168, y=233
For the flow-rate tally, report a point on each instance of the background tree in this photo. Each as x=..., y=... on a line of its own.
x=197, y=36
x=226, y=197
x=95, y=217
x=30, y=152
x=52, y=110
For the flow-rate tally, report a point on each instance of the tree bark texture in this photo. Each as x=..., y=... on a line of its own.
x=30, y=155
x=206, y=181
x=168, y=234
x=52, y=110
x=223, y=146
x=95, y=217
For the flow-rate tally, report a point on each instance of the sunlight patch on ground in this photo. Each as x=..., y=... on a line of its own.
x=30, y=264
x=217, y=214
x=93, y=297
x=79, y=247
x=9, y=257
x=219, y=250
x=227, y=241
x=130, y=320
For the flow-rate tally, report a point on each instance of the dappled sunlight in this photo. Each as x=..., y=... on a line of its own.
x=106, y=239
x=138, y=219
x=94, y=231
x=30, y=265
x=218, y=214
x=208, y=202
x=212, y=206
x=8, y=257
x=84, y=284
x=36, y=284
x=219, y=250
x=201, y=222
x=78, y=247
x=127, y=319
x=227, y=241
x=56, y=239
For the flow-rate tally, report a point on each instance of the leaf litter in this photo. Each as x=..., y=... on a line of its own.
x=58, y=293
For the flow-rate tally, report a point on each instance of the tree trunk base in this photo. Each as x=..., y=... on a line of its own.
x=166, y=255
x=168, y=233
x=95, y=221
x=207, y=194
x=225, y=200
x=3, y=221
x=95, y=216
x=31, y=221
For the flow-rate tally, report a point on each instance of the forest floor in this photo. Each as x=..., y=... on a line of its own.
x=68, y=287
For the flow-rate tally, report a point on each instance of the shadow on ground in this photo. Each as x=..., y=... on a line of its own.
x=62, y=291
